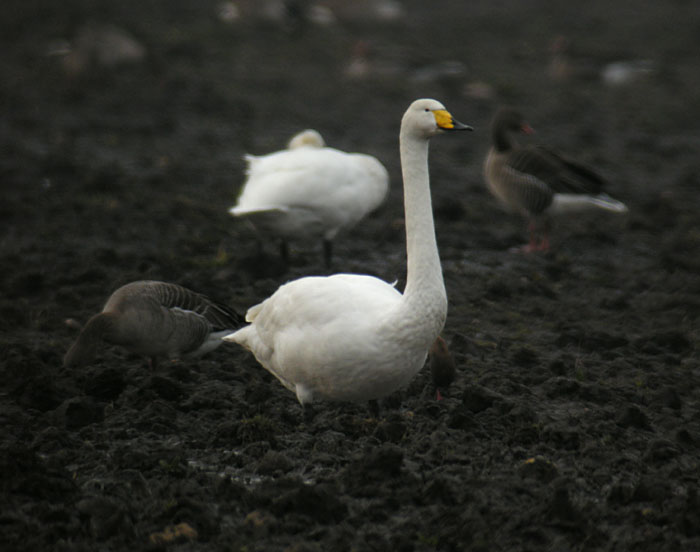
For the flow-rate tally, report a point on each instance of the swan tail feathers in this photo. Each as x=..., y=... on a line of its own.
x=240, y=336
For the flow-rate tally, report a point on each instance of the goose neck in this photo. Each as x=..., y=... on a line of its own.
x=502, y=140
x=85, y=347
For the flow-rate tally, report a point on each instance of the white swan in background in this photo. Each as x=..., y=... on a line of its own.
x=155, y=319
x=537, y=181
x=442, y=366
x=310, y=191
x=353, y=337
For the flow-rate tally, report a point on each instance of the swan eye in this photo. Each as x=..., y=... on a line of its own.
x=427, y=110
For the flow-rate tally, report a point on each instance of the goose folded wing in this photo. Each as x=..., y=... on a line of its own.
x=524, y=191
x=177, y=297
x=559, y=171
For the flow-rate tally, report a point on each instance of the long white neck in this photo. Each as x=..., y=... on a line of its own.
x=425, y=295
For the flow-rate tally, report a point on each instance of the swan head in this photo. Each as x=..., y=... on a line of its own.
x=306, y=138
x=427, y=118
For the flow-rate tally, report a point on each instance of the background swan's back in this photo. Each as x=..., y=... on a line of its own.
x=311, y=191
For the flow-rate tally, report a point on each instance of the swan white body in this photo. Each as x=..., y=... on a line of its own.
x=309, y=191
x=355, y=337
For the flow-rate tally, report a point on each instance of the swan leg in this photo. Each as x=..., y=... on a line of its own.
x=305, y=398
x=327, y=251
x=284, y=251
x=261, y=247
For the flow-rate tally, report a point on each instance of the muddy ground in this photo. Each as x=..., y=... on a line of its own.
x=574, y=421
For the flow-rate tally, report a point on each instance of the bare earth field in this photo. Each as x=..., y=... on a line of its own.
x=574, y=421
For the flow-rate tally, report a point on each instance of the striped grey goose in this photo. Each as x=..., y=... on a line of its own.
x=156, y=320
x=536, y=181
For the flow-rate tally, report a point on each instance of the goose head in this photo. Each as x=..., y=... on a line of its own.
x=425, y=118
x=82, y=352
x=91, y=338
x=506, y=121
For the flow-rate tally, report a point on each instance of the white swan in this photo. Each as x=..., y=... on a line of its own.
x=354, y=337
x=310, y=191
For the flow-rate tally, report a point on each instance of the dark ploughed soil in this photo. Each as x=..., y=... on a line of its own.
x=574, y=422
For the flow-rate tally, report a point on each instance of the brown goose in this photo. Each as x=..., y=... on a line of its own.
x=536, y=181
x=155, y=319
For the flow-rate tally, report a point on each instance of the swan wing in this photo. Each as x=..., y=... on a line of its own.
x=317, y=300
x=316, y=331
x=338, y=185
